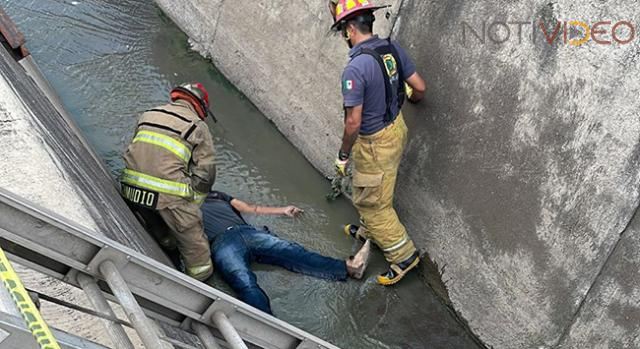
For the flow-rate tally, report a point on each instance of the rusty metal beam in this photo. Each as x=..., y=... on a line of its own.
x=12, y=36
x=10, y=31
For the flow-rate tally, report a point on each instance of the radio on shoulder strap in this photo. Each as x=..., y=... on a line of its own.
x=139, y=196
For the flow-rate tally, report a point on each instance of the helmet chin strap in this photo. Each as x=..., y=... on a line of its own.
x=347, y=37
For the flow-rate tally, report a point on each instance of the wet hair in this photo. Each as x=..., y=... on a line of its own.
x=363, y=22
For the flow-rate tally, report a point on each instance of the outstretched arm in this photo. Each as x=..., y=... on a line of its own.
x=243, y=207
x=419, y=87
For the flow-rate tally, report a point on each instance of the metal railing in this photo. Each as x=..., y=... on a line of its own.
x=145, y=288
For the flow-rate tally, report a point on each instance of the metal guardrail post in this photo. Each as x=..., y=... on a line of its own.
x=116, y=332
x=134, y=312
x=204, y=333
x=230, y=334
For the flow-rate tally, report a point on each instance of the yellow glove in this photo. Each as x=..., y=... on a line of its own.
x=341, y=167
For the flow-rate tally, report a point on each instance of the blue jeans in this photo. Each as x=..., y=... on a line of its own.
x=235, y=249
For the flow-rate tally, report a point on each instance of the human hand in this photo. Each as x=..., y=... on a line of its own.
x=292, y=211
x=341, y=167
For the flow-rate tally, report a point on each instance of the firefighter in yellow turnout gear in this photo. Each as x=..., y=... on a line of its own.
x=170, y=169
x=375, y=134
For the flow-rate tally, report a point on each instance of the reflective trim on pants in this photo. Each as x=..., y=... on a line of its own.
x=397, y=246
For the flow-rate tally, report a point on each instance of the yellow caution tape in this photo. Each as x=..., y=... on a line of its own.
x=23, y=301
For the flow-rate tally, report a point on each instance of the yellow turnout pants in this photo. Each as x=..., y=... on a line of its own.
x=185, y=222
x=376, y=159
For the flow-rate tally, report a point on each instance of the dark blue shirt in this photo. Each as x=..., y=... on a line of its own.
x=363, y=84
x=218, y=214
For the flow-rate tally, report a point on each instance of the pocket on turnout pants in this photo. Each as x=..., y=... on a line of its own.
x=367, y=188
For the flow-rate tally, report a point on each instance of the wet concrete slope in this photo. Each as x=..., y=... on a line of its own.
x=610, y=314
x=525, y=160
x=521, y=176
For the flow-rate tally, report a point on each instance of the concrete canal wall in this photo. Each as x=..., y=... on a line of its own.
x=521, y=176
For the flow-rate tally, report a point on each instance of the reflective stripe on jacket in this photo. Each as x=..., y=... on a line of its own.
x=158, y=139
x=172, y=154
x=162, y=186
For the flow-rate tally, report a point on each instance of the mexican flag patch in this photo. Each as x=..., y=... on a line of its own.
x=348, y=85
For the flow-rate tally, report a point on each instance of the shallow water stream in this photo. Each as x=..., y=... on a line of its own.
x=110, y=60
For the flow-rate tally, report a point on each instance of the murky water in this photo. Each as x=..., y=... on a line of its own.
x=110, y=60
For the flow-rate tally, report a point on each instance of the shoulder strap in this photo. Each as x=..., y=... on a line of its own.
x=402, y=94
x=387, y=84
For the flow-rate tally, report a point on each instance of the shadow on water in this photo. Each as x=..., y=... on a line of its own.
x=111, y=60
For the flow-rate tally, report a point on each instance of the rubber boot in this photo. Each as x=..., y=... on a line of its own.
x=355, y=232
x=397, y=271
x=200, y=273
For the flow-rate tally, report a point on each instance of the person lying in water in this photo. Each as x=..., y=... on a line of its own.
x=236, y=244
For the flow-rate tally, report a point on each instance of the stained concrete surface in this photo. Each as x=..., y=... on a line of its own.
x=525, y=158
x=610, y=315
x=522, y=169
